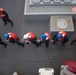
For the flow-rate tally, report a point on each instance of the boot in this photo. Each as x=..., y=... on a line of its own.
x=71, y=43
x=5, y=45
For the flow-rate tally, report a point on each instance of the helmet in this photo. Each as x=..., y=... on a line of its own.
x=15, y=73
x=6, y=36
x=26, y=36
x=59, y=36
x=43, y=36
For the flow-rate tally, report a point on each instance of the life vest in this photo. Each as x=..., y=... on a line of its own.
x=1, y=12
x=47, y=34
x=1, y=9
x=31, y=36
x=63, y=33
x=12, y=36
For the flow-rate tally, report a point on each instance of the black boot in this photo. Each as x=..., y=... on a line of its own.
x=23, y=45
x=5, y=45
x=5, y=23
x=71, y=43
x=12, y=24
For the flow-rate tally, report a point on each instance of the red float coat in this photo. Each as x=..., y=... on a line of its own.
x=31, y=36
x=48, y=36
x=12, y=36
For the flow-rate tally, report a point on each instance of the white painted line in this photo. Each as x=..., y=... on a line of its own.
x=53, y=13
x=25, y=7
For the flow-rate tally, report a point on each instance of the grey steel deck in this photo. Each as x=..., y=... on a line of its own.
x=27, y=60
